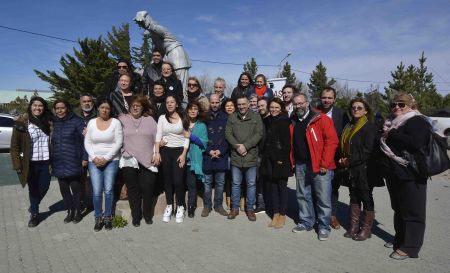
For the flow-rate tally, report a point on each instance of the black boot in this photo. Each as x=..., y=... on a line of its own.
x=98, y=224
x=191, y=211
x=69, y=217
x=77, y=217
x=261, y=207
x=355, y=212
x=34, y=220
x=108, y=223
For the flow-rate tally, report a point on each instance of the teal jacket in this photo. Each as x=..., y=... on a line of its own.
x=196, y=149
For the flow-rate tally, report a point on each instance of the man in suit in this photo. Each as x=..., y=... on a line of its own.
x=340, y=119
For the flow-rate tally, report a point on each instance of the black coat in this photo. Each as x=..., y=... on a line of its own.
x=275, y=160
x=174, y=87
x=361, y=172
x=410, y=137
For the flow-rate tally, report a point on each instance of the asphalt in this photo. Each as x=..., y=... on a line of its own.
x=211, y=244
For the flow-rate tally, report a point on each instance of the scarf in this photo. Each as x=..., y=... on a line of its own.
x=193, y=95
x=40, y=122
x=349, y=131
x=394, y=123
x=260, y=91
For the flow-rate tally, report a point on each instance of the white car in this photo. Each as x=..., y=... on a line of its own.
x=442, y=125
x=6, y=126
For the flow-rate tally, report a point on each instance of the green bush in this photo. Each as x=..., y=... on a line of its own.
x=119, y=222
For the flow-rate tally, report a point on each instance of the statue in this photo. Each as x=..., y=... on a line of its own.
x=162, y=38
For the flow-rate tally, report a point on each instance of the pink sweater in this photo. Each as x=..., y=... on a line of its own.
x=138, y=138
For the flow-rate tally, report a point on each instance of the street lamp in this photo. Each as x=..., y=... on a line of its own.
x=282, y=60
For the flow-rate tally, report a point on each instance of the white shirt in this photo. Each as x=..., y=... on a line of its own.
x=106, y=143
x=171, y=133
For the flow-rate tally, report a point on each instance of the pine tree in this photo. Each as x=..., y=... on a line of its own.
x=118, y=42
x=142, y=56
x=251, y=67
x=318, y=81
x=84, y=71
x=417, y=82
x=290, y=76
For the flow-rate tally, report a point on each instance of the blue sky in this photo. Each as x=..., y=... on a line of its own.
x=359, y=40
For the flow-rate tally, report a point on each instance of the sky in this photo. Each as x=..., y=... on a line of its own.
x=361, y=41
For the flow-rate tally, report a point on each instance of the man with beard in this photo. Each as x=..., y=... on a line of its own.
x=340, y=119
x=87, y=112
x=219, y=89
x=314, y=144
x=152, y=73
x=288, y=92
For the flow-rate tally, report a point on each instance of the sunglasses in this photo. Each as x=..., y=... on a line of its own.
x=357, y=108
x=399, y=104
x=122, y=66
x=192, y=85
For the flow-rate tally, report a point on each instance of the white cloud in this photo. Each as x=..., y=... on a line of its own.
x=205, y=18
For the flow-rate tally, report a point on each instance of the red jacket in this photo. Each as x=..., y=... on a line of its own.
x=322, y=141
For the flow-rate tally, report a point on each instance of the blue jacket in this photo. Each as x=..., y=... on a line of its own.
x=67, y=146
x=216, y=141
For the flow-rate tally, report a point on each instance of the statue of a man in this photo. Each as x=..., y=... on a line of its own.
x=162, y=38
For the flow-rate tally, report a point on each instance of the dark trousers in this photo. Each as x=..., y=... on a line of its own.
x=70, y=188
x=173, y=175
x=141, y=184
x=191, y=181
x=408, y=200
x=364, y=197
x=335, y=194
x=38, y=183
x=279, y=195
x=227, y=187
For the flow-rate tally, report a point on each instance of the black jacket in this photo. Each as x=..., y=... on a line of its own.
x=361, y=172
x=410, y=137
x=174, y=88
x=275, y=161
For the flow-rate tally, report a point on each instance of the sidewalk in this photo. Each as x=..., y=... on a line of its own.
x=212, y=244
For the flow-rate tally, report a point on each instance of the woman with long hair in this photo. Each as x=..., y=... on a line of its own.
x=244, y=87
x=102, y=142
x=276, y=164
x=354, y=152
x=30, y=153
x=194, y=121
x=67, y=156
x=172, y=156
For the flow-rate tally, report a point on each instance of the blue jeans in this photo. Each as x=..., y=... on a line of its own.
x=38, y=183
x=250, y=177
x=103, y=179
x=191, y=181
x=218, y=178
x=309, y=184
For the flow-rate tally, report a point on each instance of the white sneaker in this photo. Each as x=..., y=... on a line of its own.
x=167, y=214
x=180, y=214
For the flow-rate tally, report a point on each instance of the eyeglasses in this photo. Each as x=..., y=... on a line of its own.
x=357, y=108
x=399, y=104
x=192, y=85
x=299, y=103
x=122, y=66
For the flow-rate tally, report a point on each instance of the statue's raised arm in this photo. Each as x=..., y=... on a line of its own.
x=163, y=39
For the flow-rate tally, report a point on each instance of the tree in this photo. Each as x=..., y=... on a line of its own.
x=318, y=81
x=118, y=42
x=251, y=67
x=378, y=102
x=142, y=55
x=84, y=71
x=17, y=106
x=418, y=82
x=290, y=76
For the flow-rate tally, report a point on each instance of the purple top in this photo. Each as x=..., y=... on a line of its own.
x=138, y=138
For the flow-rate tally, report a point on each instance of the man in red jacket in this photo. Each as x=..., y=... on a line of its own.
x=314, y=143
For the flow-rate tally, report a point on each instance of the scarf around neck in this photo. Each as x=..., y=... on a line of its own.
x=349, y=131
x=260, y=90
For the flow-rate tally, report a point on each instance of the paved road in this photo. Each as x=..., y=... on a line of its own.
x=212, y=244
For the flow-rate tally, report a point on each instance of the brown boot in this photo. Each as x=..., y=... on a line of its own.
x=274, y=220
x=335, y=223
x=242, y=204
x=233, y=213
x=355, y=211
x=281, y=221
x=366, y=230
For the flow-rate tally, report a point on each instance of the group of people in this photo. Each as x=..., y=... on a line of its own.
x=153, y=136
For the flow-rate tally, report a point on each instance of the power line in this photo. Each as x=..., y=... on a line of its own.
x=39, y=34
x=219, y=62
